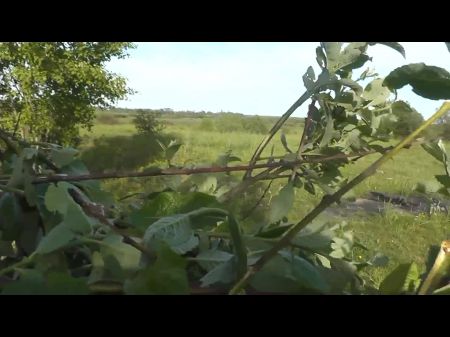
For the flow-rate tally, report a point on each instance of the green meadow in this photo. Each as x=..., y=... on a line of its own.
x=402, y=237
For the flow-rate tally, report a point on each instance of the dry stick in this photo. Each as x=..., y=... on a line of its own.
x=96, y=211
x=274, y=130
x=188, y=171
x=330, y=199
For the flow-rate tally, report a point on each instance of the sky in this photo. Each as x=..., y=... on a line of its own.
x=253, y=78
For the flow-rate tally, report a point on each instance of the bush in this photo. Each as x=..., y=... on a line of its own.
x=146, y=122
x=122, y=152
x=408, y=119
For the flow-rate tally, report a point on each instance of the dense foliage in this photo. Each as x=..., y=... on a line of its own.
x=50, y=89
x=61, y=233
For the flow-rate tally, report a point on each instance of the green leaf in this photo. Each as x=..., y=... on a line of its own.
x=76, y=220
x=64, y=156
x=59, y=283
x=10, y=217
x=168, y=203
x=394, y=45
x=309, y=78
x=352, y=85
x=238, y=245
x=437, y=150
x=166, y=277
x=171, y=150
x=328, y=133
x=175, y=231
x=404, y=278
x=321, y=58
x=57, y=199
x=305, y=273
x=209, y=259
x=31, y=282
x=224, y=273
x=375, y=92
x=282, y=203
x=127, y=256
x=57, y=238
x=427, y=81
x=444, y=180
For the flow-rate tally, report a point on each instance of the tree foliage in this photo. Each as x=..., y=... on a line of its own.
x=72, y=237
x=49, y=90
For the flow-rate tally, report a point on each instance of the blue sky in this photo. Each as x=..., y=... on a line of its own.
x=260, y=78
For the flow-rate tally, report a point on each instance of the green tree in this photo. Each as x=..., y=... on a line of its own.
x=147, y=122
x=48, y=90
x=408, y=119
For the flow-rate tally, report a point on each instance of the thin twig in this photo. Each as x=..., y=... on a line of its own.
x=259, y=201
x=188, y=171
x=274, y=130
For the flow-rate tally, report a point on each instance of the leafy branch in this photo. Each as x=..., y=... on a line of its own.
x=330, y=199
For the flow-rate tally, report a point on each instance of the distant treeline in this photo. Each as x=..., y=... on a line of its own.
x=170, y=113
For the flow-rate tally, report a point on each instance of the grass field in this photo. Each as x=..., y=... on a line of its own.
x=402, y=237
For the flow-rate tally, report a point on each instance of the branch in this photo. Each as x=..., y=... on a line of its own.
x=96, y=211
x=274, y=130
x=188, y=171
x=328, y=200
x=12, y=190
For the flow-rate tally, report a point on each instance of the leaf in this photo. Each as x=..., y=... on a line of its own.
x=404, y=278
x=209, y=259
x=57, y=238
x=282, y=203
x=56, y=198
x=352, y=85
x=328, y=133
x=31, y=282
x=305, y=273
x=171, y=150
x=59, y=283
x=223, y=273
x=76, y=220
x=394, y=45
x=284, y=142
x=351, y=57
x=168, y=203
x=127, y=256
x=238, y=245
x=63, y=156
x=309, y=78
x=437, y=150
x=166, y=277
x=427, y=81
x=375, y=92
x=444, y=180
x=10, y=217
x=175, y=231
x=321, y=58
